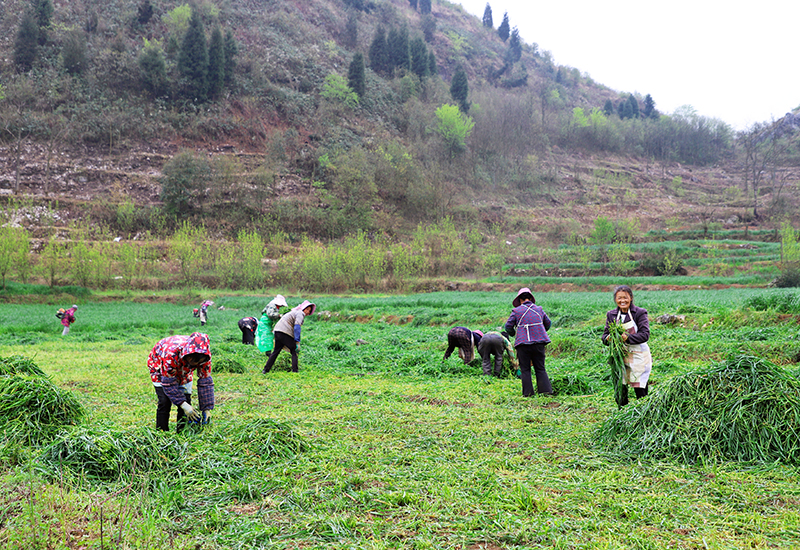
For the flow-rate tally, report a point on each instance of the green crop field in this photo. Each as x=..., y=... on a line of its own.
x=379, y=443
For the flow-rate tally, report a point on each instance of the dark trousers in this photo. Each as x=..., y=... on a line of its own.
x=164, y=407
x=638, y=392
x=533, y=355
x=248, y=336
x=282, y=340
x=492, y=344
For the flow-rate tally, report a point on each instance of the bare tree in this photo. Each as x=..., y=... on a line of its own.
x=16, y=124
x=764, y=151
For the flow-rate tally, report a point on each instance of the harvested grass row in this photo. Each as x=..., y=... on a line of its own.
x=107, y=454
x=744, y=409
x=18, y=364
x=224, y=450
x=33, y=409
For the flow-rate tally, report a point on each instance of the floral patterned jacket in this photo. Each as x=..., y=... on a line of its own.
x=169, y=369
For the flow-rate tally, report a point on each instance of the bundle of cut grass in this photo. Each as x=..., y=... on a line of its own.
x=261, y=437
x=745, y=409
x=229, y=364
x=617, y=350
x=572, y=384
x=107, y=454
x=36, y=407
x=18, y=364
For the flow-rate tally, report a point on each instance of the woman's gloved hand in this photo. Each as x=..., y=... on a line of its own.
x=192, y=414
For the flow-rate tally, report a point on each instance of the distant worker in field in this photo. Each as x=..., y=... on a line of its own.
x=530, y=324
x=67, y=317
x=265, y=337
x=463, y=339
x=173, y=362
x=203, y=313
x=634, y=320
x=287, y=334
x=495, y=343
x=248, y=326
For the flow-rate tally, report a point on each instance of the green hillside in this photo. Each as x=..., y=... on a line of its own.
x=129, y=118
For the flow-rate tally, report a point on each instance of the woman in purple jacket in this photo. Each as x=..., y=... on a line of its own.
x=530, y=324
x=639, y=362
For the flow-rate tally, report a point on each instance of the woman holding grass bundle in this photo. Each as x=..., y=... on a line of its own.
x=172, y=363
x=633, y=328
x=530, y=324
x=287, y=334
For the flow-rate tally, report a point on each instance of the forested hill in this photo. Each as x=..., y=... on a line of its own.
x=325, y=117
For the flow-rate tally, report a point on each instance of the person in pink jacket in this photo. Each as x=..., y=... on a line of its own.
x=68, y=318
x=172, y=363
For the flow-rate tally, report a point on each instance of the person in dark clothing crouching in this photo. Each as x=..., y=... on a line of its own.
x=248, y=326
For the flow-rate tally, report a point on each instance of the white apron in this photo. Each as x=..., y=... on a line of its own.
x=638, y=362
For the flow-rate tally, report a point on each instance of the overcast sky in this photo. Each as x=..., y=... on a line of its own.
x=735, y=61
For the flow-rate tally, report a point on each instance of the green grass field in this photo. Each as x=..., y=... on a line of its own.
x=376, y=443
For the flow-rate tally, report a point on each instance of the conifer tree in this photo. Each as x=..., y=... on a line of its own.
x=399, y=53
x=433, y=69
x=504, y=29
x=356, y=75
x=419, y=58
x=413, y=4
x=424, y=6
x=627, y=109
x=634, y=103
x=43, y=10
x=216, y=64
x=379, y=53
x=459, y=89
x=514, y=52
x=608, y=108
x=649, y=107
x=231, y=49
x=487, y=17
x=193, y=60
x=154, y=69
x=26, y=44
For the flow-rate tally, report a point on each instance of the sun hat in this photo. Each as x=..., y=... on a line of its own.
x=523, y=292
x=280, y=301
x=305, y=304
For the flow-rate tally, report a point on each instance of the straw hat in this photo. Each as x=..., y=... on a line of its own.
x=524, y=291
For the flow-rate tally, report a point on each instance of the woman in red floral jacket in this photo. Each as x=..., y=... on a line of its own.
x=172, y=364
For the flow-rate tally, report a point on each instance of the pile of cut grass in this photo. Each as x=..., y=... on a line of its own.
x=19, y=364
x=33, y=409
x=235, y=358
x=744, y=409
x=227, y=449
x=571, y=384
x=108, y=454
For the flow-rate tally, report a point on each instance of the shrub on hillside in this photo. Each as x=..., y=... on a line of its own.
x=788, y=278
